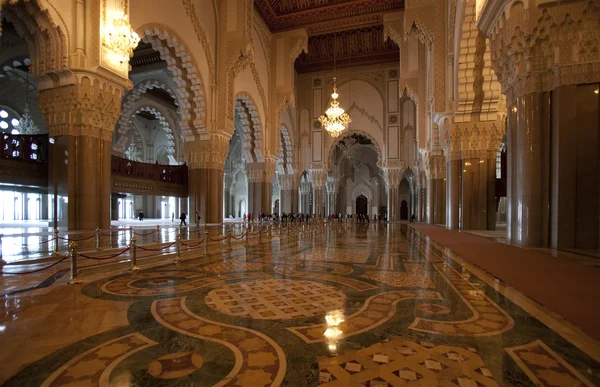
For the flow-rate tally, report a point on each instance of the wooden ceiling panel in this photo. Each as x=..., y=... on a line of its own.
x=355, y=26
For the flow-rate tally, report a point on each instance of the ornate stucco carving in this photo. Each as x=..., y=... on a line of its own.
x=201, y=35
x=190, y=90
x=541, y=48
x=210, y=153
x=90, y=107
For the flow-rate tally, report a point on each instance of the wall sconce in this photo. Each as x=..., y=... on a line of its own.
x=514, y=109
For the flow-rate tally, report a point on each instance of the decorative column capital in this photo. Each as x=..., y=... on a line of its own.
x=287, y=182
x=261, y=172
x=318, y=178
x=88, y=107
x=553, y=46
x=393, y=176
x=207, y=154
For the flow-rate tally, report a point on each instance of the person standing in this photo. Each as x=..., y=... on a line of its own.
x=182, y=218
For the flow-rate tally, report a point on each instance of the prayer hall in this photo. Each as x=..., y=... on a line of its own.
x=299, y=193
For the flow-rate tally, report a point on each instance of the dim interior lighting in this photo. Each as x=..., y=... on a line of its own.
x=467, y=163
x=514, y=109
x=597, y=91
x=481, y=161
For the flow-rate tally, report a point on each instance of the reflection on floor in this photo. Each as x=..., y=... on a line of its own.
x=354, y=305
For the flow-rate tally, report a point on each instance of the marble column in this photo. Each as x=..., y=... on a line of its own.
x=114, y=206
x=318, y=178
x=81, y=118
x=526, y=131
x=430, y=200
x=440, y=201
x=452, y=193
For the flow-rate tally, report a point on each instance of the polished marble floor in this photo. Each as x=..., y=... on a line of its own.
x=350, y=305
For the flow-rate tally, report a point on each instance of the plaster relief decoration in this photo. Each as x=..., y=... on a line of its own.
x=542, y=49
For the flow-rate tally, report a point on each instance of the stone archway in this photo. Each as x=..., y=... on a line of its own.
x=362, y=205
x=403, y=210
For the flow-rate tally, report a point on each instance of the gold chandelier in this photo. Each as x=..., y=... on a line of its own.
x=119, y=37
x=335, y=120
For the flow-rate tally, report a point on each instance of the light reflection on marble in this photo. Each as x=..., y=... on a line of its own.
x=262, y=315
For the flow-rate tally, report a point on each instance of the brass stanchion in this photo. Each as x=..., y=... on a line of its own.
x=73, y=256
x=157, y=233
x=260, y=235
x=97, y=238
x=229, y=238
x=134, y=266
x=270, y=228
x=55, y=241
x=246, y=236
x=130, y=232
x=2, y=261
x=177, y=247
x=205, y=241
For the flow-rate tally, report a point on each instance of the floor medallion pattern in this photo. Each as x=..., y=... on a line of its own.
x=275, y=299
x=400, y=361
x=259, y=360
x=350, y=305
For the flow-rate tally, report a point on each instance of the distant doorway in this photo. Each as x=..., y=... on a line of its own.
x=361, y=205
x=276, y=207
x=404, y=210
x=242, y=208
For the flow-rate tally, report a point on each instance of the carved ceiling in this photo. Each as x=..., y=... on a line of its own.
x=354, y=26
x=145, y=55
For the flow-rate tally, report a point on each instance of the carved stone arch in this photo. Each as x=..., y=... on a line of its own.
x=420, y=30
x=165, y=120
x=39, y=23
x=251, y=127
x=349, y=133
x=286, y=149
x=131, y=99
x=362, y=189
x=190, y=91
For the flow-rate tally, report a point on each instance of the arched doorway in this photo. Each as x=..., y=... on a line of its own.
x=242, y=208
x=361, y=205
x=404, y=210
x=276, y=207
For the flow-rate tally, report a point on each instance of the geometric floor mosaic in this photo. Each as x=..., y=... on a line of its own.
x=356, y=305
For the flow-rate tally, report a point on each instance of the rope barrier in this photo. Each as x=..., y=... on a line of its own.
x=103, y=258
x=192, y=245
x=37, y=270
x=48, y=241
x=217, y=240
x=239, y=238
x=144, y=234
x=158, y=249
x=76, y=240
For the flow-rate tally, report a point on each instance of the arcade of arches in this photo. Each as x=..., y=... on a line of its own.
x=475, y=122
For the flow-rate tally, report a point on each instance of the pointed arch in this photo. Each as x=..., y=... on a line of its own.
x=251, y=128
x=38, y=22
x=190, y=90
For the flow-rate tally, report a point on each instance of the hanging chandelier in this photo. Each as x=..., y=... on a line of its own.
x=119, y=37
x=26, y=125
x=335, y=120
x=132, y=153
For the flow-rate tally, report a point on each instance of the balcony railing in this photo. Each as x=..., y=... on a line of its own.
x=176, y=174
x=28, y=148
